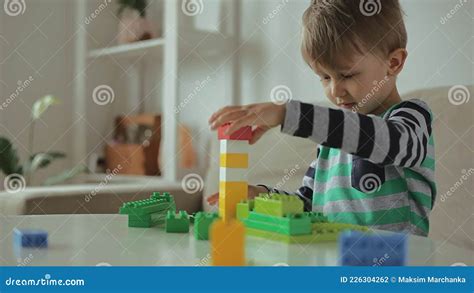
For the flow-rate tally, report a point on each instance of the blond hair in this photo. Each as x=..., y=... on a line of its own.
x=335, y=29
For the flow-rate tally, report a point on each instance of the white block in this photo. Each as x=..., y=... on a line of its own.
x=233, y=174
x=234, y=146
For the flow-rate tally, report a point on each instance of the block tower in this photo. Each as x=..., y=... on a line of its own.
x=227, y=234
x=234, y=161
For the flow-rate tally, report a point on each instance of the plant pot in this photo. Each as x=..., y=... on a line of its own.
x=133, y=27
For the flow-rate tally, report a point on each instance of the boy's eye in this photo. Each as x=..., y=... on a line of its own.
x=325, y=78
x=347, y=76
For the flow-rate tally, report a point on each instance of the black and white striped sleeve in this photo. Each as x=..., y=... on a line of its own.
x=305, y=192
x=401, y=139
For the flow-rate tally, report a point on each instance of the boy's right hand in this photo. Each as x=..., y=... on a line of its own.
x=253, y=191
x=262, y=115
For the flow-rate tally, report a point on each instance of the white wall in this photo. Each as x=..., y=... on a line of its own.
x=440, y=54
x=37, y=44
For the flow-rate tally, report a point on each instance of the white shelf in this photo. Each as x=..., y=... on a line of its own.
x=169, y=50
x=127, y=50
x=203, y=43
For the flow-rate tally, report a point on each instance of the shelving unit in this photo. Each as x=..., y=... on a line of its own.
x=167, y=50
x=128, y=50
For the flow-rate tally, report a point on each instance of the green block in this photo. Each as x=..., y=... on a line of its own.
x=278, y=204
x=148, y=212
x=322, y=232
x=299, y=224
x=202, y=223
x=177, y=223
x=147, y=220
x=317, y=217
x=243, y=209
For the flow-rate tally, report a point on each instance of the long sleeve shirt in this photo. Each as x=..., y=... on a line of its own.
x=377, y=171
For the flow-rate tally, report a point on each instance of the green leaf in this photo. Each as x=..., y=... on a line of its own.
x=65, y=175
x=42, y=160
x=9, y=161
x=41, y=105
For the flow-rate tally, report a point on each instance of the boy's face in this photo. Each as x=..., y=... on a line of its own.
x=359, y=83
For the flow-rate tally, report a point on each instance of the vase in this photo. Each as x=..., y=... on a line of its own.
x=133, y=27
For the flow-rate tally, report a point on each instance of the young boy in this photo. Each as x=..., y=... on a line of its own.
x=375, y=163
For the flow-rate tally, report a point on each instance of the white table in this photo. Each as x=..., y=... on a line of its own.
x=107, y=240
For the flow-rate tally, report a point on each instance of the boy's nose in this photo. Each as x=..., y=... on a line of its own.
x=337, y=90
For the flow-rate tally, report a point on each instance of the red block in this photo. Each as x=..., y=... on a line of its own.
x=244, y=133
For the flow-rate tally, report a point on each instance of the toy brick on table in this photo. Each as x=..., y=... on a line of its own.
x=177, y=223
x=321, y=232
x=232, y=174
x=228, y=243
x=202, y=224
x=149, y=212
x=299, y=224
x=317, y=217
x=244, y=208
x=361, y=249
x=30, y=238
x=234, y=161
x=274, y=204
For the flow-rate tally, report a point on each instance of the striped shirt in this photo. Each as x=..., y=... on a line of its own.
x=377, y=171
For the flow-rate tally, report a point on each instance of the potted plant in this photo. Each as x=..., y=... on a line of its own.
x=133, y=25
x=19, y=175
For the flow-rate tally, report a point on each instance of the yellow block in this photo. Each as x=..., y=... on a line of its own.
x=230, y=194
x=228, y=206
x=234, y=160
x=227, y=243
x=227, y=188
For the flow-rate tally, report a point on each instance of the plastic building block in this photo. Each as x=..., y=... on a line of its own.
x=202, y=224
x=230, y=194
x=244, y=208
x=234, y=146
x=234, y=160
x=228, y=243
x=299, y=224
x=321, y=232
x=244, y=133
x=177, y=223
x=165, y=196
x=278, y=204
x=317, y=217
x=30, y=238
x=233, y=174
x=228, y=206
x=360, y=249
x=233, y=188
x=147, y=221
x=149, y=212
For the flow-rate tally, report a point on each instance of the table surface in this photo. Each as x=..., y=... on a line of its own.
x=90, y=240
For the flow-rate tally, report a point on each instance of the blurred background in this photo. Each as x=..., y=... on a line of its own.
x=120, y=91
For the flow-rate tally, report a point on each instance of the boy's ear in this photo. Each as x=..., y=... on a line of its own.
x=396, y=61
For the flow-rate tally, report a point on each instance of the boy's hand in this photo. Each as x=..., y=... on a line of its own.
x=253, y=192
x=263, y=115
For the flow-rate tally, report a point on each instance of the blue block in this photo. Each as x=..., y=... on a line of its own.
x=361, y=249
x=30, y=238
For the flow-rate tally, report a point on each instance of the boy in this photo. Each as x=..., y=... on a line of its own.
x=375, y=163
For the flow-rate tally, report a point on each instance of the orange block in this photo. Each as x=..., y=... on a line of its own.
x=227, y=243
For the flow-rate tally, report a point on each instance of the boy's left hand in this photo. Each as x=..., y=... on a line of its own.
x=262, y=115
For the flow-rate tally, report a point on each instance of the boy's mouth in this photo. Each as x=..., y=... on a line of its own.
x=347, y=105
